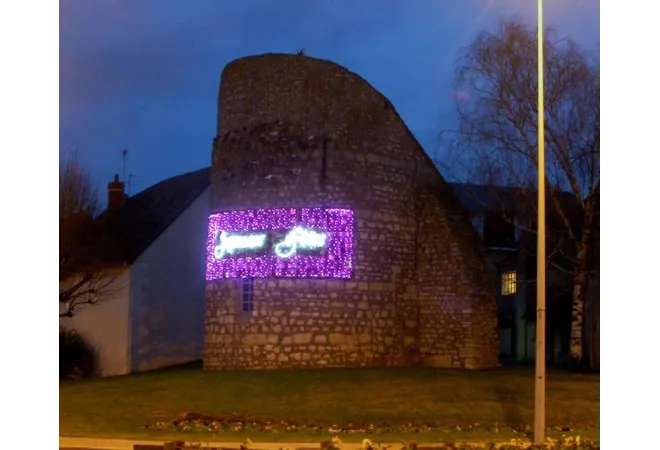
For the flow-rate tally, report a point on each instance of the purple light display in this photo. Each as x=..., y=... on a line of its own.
x=247, y=243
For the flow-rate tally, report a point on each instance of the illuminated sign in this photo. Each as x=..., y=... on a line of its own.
x=228, y=244
x=294, y=243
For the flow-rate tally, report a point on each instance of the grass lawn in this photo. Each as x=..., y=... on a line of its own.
x=424, y=404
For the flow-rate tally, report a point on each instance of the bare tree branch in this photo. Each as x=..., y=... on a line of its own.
x=496, y=140
x=77, y=192
x=84, y=279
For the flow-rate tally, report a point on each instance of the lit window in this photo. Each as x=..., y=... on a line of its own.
x=509, y=283
x=248, y=294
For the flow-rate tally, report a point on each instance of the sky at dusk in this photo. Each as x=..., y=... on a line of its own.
x=144, y=74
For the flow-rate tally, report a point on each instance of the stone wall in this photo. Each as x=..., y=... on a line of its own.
x=299, y=132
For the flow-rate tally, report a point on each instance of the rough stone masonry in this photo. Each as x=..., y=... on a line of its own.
x=295, y=131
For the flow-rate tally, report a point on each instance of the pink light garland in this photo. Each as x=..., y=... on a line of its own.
x=337, y=262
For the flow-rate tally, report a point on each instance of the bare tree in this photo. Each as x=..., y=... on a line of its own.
x=84, y=279
x=496, y=139
x=77, y=192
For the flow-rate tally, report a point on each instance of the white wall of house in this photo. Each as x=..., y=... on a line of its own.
x=168, y=294
x=105, y=326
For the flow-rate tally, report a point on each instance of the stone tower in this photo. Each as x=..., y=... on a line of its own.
x=300, y=142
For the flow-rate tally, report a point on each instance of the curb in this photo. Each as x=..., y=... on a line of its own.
x=129, y=444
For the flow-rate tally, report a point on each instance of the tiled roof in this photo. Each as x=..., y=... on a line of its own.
x=129, y=230
x=515, y=200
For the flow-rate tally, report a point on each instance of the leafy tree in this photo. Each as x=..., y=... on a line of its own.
x=495, y=142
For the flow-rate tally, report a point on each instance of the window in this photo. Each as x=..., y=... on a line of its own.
x=509, y=283
x=247, y=294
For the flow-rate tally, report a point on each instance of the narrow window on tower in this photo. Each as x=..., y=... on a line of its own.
x=247, y=297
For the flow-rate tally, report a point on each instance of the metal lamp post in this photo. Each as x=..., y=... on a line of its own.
x=539, y=378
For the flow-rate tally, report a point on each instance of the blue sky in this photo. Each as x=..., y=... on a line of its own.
x=144, y=74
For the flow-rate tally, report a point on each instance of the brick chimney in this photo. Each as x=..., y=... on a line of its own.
x=116, y=194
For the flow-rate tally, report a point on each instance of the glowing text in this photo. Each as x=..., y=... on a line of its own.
x=228, y=244
x=299, y=237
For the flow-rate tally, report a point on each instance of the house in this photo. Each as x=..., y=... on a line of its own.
x=507, y=258
x=153, y=313
x=505, y=217
x=333, y=240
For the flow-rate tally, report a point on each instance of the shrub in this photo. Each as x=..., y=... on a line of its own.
x=77, y=356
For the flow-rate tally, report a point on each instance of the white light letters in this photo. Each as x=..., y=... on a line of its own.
x=229, y=244
x=297, y=238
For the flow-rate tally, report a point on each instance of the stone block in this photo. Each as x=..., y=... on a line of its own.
x=342, y=339
x=254, y=339
x=376, y=287
x=302, y=338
